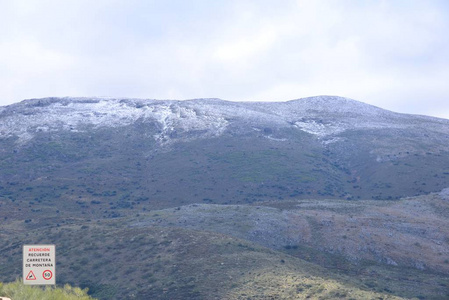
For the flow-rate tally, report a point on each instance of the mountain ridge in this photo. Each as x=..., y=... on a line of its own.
x=322, y=115
x=313, y=146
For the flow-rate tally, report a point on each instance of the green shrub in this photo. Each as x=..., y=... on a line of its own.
x=18, y=291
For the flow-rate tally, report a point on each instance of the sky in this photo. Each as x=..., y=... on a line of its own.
x=393, y=54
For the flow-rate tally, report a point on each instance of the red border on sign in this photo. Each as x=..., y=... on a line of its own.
x=51, y=274
x=32, y=274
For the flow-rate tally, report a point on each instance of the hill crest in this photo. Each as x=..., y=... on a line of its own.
x=320, y=116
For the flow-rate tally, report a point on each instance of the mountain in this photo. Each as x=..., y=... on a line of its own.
x=350, y=192
x=166, y=153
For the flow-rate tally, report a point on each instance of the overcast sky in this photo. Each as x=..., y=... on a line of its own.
x=393, y=54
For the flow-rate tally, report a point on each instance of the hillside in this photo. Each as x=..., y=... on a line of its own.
x=122, y=153
x=322, y=197
x=414, y=230
x=116, y=262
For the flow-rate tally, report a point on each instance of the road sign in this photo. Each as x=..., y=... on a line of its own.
x=31, y=276
x=39, y=262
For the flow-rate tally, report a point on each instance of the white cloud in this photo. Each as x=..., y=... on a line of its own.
x=394, y=54
x=245, y=48
x=27, y=57
x=30, y=70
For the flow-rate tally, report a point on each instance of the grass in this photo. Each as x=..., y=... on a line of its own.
x=284, y=284
x=18, y=291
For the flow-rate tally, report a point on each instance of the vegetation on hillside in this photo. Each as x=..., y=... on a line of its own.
x=118, y=262
x=18, y=291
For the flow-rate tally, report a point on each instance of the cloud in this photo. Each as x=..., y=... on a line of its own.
x=394, y=54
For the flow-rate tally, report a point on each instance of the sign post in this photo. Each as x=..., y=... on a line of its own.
x=39, y=263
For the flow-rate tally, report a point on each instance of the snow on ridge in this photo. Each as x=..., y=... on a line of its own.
x=330, y=115
x=185, y=119
x=338, y=104
x=52, y=114
x=323, y=116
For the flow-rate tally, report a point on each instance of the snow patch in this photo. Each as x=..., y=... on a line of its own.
x=276, y=139
x=331, y=140
x=319, y=129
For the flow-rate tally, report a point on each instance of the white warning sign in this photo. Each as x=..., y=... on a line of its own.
x=31, y=276
x=39, y=264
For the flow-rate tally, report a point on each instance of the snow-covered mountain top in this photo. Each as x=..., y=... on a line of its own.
x=321, y=116
x=337, y=104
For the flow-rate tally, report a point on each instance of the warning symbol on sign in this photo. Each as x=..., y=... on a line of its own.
x=47, y=274
x=31, y=276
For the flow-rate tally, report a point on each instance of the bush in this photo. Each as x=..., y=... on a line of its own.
x=18, y=291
